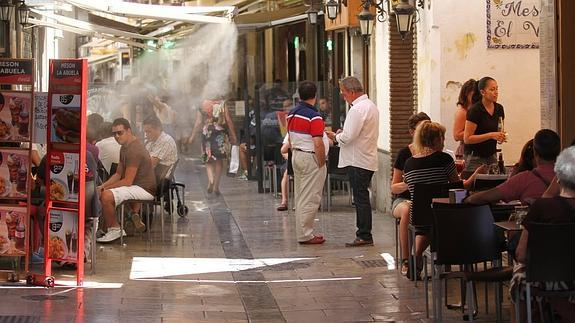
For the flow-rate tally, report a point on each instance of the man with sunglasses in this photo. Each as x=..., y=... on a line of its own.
x=133, y=180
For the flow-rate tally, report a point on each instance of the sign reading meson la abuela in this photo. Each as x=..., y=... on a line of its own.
x=513, y=24
x=16, y=71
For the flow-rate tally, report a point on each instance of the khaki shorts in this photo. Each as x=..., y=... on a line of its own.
x=133, y=192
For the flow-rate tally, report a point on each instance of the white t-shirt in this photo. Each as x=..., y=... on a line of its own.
x=109, y=152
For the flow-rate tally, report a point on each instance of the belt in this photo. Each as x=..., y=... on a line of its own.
x=304, y=151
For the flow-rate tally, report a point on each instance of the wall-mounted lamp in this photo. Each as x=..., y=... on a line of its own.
x=6, y=8
x=405, y=13
x=332, y=8
x=23, y=13
x=312, y=15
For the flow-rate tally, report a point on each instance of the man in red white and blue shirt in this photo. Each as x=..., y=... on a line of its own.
x=306, y=136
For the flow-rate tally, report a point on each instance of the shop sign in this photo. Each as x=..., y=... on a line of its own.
x=16, y=71
x=513, y=24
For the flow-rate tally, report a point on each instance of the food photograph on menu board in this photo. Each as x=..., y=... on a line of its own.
x=13, y=174
x=65, y=120
x=63, y=235
x=64, y=176
x=15, y=116
x=12, y=231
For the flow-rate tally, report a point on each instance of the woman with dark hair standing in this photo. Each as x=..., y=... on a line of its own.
x=481, y=133
x=464, y=101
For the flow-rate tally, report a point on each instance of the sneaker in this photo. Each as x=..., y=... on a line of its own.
x=137, y=220
x=112, y=235
x=242, y=176
x=37, y=257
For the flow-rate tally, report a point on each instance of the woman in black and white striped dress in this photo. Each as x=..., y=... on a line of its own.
x=430, y=165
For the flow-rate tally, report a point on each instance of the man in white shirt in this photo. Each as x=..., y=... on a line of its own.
x=358, y=152
x=109, y=148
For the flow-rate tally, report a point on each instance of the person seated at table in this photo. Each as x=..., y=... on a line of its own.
x=527, y=185
x=558, y=209
x=109, y=148
x=553, y=189
x=526, y=161
x=430, y=165
x=163, y=152
x=401, y=203
x=133, y=180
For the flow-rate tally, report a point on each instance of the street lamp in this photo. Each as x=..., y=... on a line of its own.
x=23, y=13
x=5, y=10
x=365, y=20
x=312, y=15
x=404, y=15
x=332, y=7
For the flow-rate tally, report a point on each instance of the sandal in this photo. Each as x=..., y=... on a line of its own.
x=314, y=240
x=404, y=267
x=282, y=207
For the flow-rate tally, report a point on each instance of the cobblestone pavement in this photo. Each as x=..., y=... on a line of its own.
x=234, y=258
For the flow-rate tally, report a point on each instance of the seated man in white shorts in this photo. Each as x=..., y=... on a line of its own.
x=133, y=180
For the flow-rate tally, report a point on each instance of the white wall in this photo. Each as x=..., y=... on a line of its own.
x=380, y=67
x=452, y=48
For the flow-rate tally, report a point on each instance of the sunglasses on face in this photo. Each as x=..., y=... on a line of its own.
x=118, y=133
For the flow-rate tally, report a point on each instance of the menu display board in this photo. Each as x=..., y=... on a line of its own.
x=15, y=113
x=13, y=230
x=16, y=120
x=66, y=179
x=64, y=176
x=14, y=168
x=63, y=237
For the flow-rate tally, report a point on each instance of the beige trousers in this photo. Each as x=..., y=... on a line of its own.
x=308, y=187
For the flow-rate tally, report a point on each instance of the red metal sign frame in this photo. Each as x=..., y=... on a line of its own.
x=68, y=80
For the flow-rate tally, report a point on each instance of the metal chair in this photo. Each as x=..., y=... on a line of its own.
x=420, y=217
x=464, y=234
x=161, y=172
x=549, y=261
x=272, y=158
x=336, y=175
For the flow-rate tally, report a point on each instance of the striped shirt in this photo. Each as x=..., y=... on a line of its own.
x=436, y=168
x=304, y=123
x=164, y=148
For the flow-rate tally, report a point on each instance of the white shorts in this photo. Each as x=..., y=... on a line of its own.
x=133, y=192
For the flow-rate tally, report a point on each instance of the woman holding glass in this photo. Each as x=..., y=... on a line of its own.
x=483, y=128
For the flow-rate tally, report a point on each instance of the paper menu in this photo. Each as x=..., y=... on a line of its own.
x=63, y=235
x=12, y=231
x=14, y=173
x=15, y=115
x=64, y=176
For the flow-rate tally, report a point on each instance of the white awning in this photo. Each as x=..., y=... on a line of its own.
x=84, y=32
x=99, y=59
x=181, y=13
x=91, y=27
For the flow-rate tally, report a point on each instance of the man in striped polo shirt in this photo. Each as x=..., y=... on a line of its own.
x=306, y=135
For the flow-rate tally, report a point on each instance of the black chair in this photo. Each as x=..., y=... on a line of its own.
x=161, y=172
x=483, y=183
x=272, y=159
x=420, y=217
x=335, y=175
x=464, y=234
x=549, y=261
